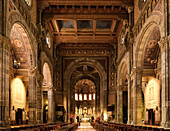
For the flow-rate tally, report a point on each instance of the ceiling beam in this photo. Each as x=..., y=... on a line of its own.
x=124, y=3
x=86, y=39
x=75, y=26
x=56, y=25
x=94, y=26
x=50, y=26
x=116, y=16
x=113, y=25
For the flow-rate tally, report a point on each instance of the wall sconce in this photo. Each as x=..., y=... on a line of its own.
x=16, y=64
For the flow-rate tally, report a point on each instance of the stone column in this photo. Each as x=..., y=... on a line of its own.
x=51, y=105
x=115, y=81
x=32, y=95
x=5, y=47
x=105, y=104
x=129, y=99
x=131, y=40
x=137, y=93
x=65, y=106
x=134, y=98
x=39, y=98
x=165, y=66
x=97, y=101
x=119, y=104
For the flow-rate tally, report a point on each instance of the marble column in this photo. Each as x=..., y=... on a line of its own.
x=165, y=71
x=32, y=96
x=5, y=47
x=51, y=105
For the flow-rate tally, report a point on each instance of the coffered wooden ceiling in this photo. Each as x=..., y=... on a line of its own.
x=85, y=21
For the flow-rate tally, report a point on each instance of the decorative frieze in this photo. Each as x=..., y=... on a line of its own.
x=22, y=7
x=146, y=12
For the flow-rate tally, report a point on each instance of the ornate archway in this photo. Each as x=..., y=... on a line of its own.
x=103, y=83
x=122, y=93
x=48, y=95
x=24, y=63
x=147, y=55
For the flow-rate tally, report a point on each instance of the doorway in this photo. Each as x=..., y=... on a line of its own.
x=45, y=113
x=125, y=106
x=19, y=116
x=151, y=117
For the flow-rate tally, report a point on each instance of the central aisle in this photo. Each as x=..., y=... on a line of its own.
x=85, y=127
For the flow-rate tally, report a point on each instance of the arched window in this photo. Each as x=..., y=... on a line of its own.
x=89, y=96
x=80, y=97
x=94, y=96
x=76, y=97
x=80, y=111
x=85, y=96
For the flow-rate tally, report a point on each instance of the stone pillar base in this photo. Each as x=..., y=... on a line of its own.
x=165, y=124
x=4, y=124
x=128, y=122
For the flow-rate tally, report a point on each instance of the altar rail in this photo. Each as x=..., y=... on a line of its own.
x=124, y=127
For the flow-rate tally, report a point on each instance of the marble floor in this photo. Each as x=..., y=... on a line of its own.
x=85, y=127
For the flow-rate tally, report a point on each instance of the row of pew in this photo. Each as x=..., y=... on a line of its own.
x=123, y=127
x=44, y=127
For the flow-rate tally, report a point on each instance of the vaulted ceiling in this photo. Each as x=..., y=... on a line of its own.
x=85, y=21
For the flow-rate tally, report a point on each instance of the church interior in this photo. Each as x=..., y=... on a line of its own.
x=101, y=64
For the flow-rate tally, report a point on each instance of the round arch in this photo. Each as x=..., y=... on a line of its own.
x=15, y=18
x=103, y=80
x=21, y=45
x=152, y=22
x=45, y=60
x=124, y=64
x=123, y=71
x=47, y=81
x=122, y=97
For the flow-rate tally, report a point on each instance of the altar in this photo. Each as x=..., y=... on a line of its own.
x=85, y=119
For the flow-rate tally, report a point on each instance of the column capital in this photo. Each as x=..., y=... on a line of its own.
x=51, y=88
x=33, y=71
x=128, y=77
x=136, y=71
x=130, y=9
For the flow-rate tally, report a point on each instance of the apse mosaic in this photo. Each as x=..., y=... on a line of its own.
x=85, y=86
